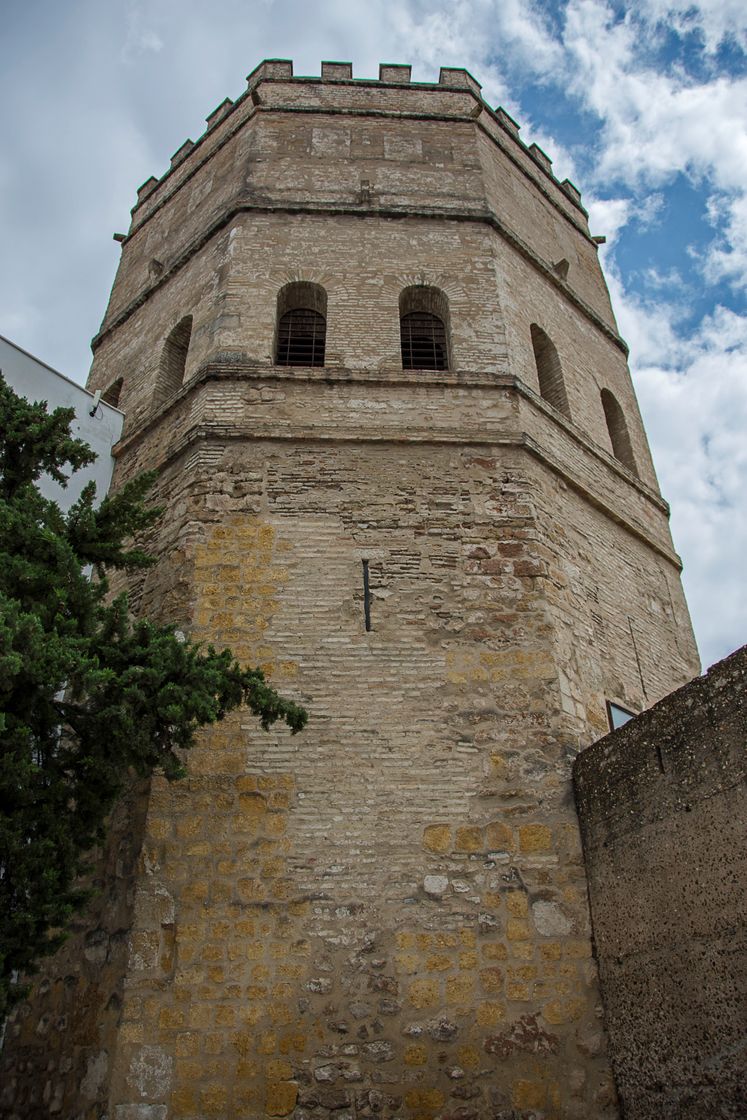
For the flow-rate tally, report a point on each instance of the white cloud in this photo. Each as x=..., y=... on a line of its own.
x=717, y=21
x=692, y=390
x=659, y=123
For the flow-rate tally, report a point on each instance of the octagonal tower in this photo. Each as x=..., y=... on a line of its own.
x=361, y=331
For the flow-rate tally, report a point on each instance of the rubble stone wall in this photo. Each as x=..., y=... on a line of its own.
x=662, y=807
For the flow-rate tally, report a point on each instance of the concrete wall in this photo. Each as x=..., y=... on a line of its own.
x=662, y=804
x=36, y=381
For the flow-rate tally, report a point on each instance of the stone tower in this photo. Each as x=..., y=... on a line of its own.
x=362, y=332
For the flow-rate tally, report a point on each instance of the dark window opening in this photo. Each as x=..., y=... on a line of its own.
x=423, y=337
x=301, y=338
x=113, y=393
x=424, y=328
x=549, y=372
x=173, y=360
x=622, y=448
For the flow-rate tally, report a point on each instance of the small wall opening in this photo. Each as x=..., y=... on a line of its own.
x=173, y=360
x=549, y=372
x=301, y=332
x=424, y=328
x=622, y=448
x=113, y=393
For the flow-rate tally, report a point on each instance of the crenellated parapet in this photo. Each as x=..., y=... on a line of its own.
x=393, y=91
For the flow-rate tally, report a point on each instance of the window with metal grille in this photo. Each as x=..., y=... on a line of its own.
x=423, y=341
x=301, y=335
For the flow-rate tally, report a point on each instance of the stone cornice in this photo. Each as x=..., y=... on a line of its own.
x=503, y=383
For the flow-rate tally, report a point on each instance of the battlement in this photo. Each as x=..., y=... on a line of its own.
x=454, y=81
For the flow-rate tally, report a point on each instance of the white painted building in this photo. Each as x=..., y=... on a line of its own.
x=98, y=423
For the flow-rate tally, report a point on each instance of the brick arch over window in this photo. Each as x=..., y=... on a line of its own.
x=622, y=448
x=549, y=372
x=301, y=331
x=424, y=328
x=113, y=393
x=173, y=360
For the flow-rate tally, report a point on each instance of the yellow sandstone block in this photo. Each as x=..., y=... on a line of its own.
x=183, y=1100
x=522, y=950
x=171, y=1019
x=491, y=980
x=292, y=1042
x=550, y=950
x=423, y=993
x=407, y=963
x=517, y=904
x=416, y=1055
x=468, y=1057
x=279, y=1070
x=494, y=951
x=563, y=1010
x=280, y=1099
x=490, y=1013
x=424, y=1098
x=275, y=824
x=528, y=1094
x=214, y=1099
x=577, y=949
x=469, y=839
x=499, y=837
x=517, y=929
x=468, y=959
x=535, y=838
x=437, y=838
x=438, y=962
x=267, y=1043
x=459, y=989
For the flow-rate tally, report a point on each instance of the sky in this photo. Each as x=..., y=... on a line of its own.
x=642, y=105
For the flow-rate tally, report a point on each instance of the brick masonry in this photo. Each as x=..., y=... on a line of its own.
x=386, y=916
x=662, y=808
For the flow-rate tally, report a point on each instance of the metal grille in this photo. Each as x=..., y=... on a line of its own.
x=301, y=335
x=423, y=341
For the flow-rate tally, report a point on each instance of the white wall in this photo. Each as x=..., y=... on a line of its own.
x=36, y=381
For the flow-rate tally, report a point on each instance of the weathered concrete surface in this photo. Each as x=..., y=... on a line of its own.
x=663, y=806
x=388, y=914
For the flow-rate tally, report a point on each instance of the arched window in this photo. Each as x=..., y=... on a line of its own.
x=551, y=384
x=112, y=394
x=622, y=448
x=423, y=326
x=301, y=325
x=173, y=360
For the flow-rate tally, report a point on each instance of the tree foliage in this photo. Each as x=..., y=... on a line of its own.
x=89, y=697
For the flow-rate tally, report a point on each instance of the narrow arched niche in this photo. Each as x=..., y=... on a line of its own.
x=301, y=330
x=424, y=328
x=549, y=371
x=622, y=448
x=173, y=360
x=113, y=393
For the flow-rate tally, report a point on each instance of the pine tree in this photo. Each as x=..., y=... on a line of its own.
x=89, y=697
